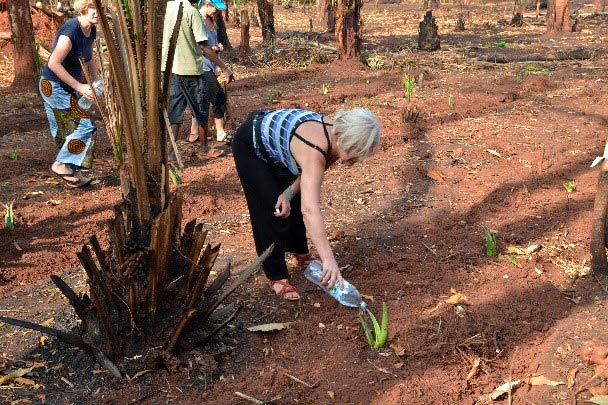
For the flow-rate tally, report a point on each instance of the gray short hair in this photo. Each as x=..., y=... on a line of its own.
x=81, y=6
x=358, y=131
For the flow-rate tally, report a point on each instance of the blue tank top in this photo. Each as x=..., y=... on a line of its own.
x=273, y=131
x=81, y=46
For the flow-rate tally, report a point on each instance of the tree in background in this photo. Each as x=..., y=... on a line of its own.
x=222, y=35
x=558, y=16
x=266, y=13
x=349, y=27
x=329, y=15
x=24, y=48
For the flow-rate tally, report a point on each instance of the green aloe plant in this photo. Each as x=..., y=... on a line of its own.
x=175, y=174
x=378, y=338
x=490, y=241
x=409, y=82
x=9, y=216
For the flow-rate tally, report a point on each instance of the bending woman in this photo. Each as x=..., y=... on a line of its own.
x=281, y=157
x=61, y=85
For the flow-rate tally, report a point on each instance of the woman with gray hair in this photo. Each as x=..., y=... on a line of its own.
x=281, y=157
x=61, y=85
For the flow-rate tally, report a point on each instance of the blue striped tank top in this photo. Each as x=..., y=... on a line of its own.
x=273, y=130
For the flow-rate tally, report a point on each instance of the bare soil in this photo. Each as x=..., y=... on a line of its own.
x=493, y=145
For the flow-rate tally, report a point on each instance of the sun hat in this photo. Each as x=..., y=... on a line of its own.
x=219, y=4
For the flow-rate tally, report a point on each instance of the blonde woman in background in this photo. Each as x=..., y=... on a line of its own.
x=61, y=85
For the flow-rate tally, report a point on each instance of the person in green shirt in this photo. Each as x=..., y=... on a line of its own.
x=188, y=85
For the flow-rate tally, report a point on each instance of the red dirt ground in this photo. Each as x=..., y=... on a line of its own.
x=408, y=220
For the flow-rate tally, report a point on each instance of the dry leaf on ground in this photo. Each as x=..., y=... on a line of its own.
x=18, y=373
x=542, y=380
x=436, y=175
x=269, y=327
x=456, y=298
x=494, y=153
x=31, y=194
x=571, y=377
x=602, y=370
x=398, y=349
x=474, y=368
x=500, y=391
x=599, y=399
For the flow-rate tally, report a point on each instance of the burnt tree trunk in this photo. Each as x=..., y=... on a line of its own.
x=222, y=35
x=558, y=16
x=245, y=48
x=266, y=13
x=24, y=49
x=599, y=263
x=348, y=28
x=329, y=15
x=428, y=33
x=431, y=4
x=459, y=24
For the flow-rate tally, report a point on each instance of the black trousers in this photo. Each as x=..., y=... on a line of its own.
x=262, y=185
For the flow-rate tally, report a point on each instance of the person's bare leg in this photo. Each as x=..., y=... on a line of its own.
x=203, y=134
x=220, y=132
x=194, y=133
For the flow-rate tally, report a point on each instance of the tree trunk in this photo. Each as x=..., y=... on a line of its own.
x=24, y=49
x=428, y=33
x=349, y=27
x=599, y=264
x=222, y=35
x=245, y=48
x=558, y=16
x=329, y=15
x=266, y=13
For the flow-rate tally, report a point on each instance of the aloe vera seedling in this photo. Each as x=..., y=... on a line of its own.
x=9, y=217
x=490, y=241
x=175, y=174
x=13, y=155
x=378, y=338
x=570, y=186
x=408, y=84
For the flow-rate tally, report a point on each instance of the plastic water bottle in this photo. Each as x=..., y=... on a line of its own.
x=84, y=102
x=348, y=296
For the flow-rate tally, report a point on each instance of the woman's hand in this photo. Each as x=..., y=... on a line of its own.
x=85, y=90
x=331, y=274
x=282, y=207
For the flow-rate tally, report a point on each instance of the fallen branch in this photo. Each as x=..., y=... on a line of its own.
x=70, y=339
x=573, y=54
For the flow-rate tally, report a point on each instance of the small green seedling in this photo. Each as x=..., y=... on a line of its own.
x=451, y=101
x=175, y=174
x=569, y=186
x=490, y=240
x=9, y=217
x=408, y=85
x=378, y=338
x=514, y=262
x=13, y=155
x=325, y=88
x=272, y=96
x=501, y=44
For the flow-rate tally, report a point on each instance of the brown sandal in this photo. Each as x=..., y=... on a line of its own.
x=303, y=259
x=286, y=288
